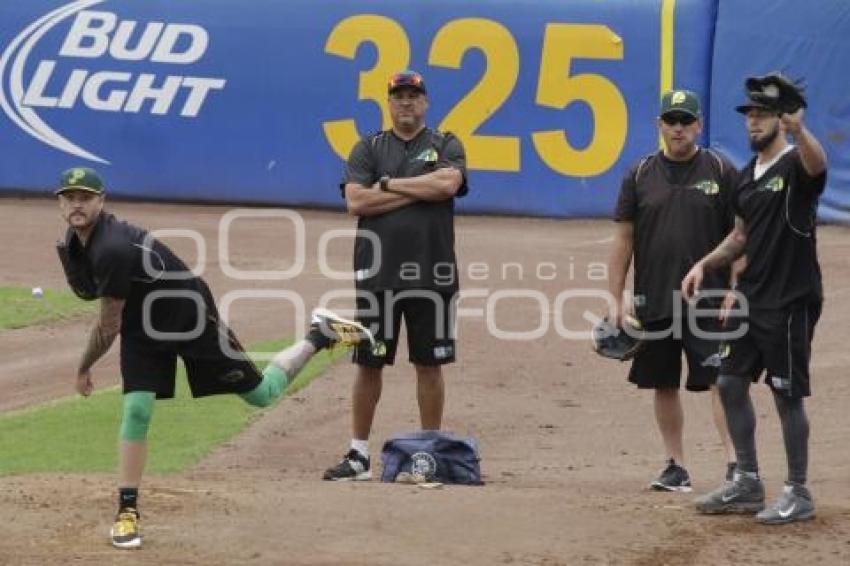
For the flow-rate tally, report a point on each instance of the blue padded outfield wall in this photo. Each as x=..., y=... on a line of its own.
x=259, y=101
x=809, y=40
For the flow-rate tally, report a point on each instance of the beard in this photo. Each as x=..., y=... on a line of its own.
x=759, y=145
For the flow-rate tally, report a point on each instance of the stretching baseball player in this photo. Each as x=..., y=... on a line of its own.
x=149, y=297
x=775, y=205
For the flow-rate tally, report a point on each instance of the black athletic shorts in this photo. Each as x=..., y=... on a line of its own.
x=778, y=343
x=428, y=318
x=213, y=365
x=659, y=364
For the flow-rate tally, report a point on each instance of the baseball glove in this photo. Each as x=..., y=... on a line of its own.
x=78, y=279
x=617, y=343
x=777, y=92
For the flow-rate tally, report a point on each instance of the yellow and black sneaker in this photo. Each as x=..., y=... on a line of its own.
x=328, y=329
x=125, y=531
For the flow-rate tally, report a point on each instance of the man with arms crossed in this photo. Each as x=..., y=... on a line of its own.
x=401, y=184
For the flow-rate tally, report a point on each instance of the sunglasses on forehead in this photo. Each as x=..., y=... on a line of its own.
x=673, y=119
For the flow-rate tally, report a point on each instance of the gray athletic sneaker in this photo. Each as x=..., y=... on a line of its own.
x=741, y=495
x=795, y=504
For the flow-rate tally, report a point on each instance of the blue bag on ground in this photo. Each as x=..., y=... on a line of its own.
x=434, y=455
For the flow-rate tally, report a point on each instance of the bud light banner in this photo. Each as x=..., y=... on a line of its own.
x=261, y=101
x=99, y=43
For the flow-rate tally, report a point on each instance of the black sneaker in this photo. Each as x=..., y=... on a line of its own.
x=354, y=467
x=673, y=478
x=730, y=471
x=328, y=329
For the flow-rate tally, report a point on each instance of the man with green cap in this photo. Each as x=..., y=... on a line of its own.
x=673, y=208
x=162, y=311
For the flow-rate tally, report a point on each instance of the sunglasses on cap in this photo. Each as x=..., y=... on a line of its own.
x=678, y=118
x=406, y=79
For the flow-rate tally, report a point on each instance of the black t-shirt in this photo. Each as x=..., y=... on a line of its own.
x=680, y=211
x=780, y=213
x=416, y=241
x=114, y=260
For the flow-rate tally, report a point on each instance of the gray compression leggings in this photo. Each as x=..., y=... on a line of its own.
x=741, y=419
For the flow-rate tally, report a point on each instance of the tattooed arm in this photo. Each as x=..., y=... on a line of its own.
x=725, y=253
x=102, y=336
x=730, y=249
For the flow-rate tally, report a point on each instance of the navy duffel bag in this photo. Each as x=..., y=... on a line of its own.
x=433, y=456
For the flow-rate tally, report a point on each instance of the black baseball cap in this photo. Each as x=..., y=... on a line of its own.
x=80, y=179
x=753, y=104
x=681, y=101
x=407, y=78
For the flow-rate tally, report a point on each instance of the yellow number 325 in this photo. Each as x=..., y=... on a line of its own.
x=555, y=88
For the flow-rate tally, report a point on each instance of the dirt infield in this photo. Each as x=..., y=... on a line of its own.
x=568, y=448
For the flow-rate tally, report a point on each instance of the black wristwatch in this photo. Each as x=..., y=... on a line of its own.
x=384, y=183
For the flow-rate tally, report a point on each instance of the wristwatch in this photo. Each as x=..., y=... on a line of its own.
x=384, y=183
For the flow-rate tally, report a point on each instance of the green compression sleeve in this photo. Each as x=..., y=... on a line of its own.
x=270, y=388
x=136, y=415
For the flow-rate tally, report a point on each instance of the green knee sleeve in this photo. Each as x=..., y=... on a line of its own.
x=270, y=388
x=136, y=416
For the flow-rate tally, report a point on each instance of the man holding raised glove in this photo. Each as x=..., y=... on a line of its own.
x=775, y=203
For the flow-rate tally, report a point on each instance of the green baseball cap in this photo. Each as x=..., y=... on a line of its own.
x=684, y=101
x=80, y=179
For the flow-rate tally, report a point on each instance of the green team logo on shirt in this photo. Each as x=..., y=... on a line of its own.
x=708, y=187
x=429, y=155
x=774, y=185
